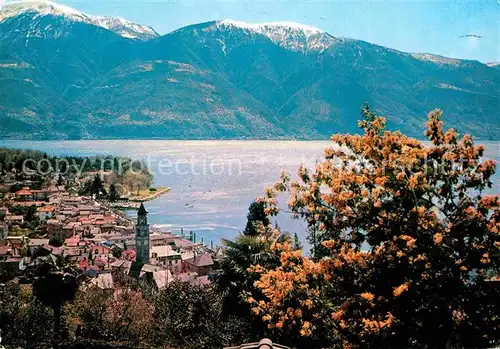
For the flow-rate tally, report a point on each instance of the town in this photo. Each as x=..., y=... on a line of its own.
x=94, y=237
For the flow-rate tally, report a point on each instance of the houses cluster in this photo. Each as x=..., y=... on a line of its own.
x=60, y=214
x=107, y=247
x=162, y=257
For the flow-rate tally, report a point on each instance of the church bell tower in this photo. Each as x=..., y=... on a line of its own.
x=142, y=236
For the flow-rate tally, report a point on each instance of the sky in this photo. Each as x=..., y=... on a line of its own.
x=410, y=26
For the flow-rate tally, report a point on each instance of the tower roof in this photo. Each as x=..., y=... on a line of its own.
x=142, y=210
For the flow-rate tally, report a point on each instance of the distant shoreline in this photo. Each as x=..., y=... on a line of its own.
x=7, y=140
x=134, y=203
x=155, y=194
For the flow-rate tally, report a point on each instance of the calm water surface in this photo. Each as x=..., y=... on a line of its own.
x=212, y=182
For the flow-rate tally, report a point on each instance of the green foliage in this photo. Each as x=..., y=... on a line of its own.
x=16, y=187
x=60, y=180
x=95, y=187
x=31, y=213
x=256, y=219
x=233, y=279
x=291, y=95
x=101, y=315
x=297, y=245
x=34, y=162
x=113, y=193
x=117, y=252
x=56, y=241
x=25, y=321
x=54, y=285
x=190, y=316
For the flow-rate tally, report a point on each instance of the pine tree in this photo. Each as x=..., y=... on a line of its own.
x=256, y=215
x=113, y=193
x=296, y=242
x=97, y=186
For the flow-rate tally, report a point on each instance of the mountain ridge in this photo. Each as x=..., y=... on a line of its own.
x=107, y=21
x=117, y=25
x=225, y=79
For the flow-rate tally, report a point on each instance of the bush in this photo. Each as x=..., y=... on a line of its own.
x=104, y=315
x=405, y=244
x=24, y=321
x=190, y=316
x=55, y=241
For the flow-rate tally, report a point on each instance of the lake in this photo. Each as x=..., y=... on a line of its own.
x=212, y=182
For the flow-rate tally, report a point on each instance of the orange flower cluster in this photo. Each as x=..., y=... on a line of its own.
x=400, y=289
x=291, y=293
x=375, y=326
x=368, y=296
x=386, y=210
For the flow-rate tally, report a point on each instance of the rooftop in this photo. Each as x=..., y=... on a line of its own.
x=203, y=260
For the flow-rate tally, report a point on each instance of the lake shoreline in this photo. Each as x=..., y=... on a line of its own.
x=212, y=183
x=135, y=202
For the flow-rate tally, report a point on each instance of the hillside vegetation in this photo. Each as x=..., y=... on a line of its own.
x=220, y=80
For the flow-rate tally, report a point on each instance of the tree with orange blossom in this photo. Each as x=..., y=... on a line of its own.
x=410, y=244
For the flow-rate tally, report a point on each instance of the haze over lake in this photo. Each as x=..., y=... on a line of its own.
x=212, y=182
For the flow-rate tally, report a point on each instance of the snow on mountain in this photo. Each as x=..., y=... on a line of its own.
x=289, y=35
x=125, y=28
x=435, y=58
x=271, y=26
x=117, y=25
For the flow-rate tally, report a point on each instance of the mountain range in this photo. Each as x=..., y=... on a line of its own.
x=69, y=75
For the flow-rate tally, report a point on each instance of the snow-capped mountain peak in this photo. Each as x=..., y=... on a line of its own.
x=269, y=26
x=15, y=8
x=117, y=25
x=290, y=35
x=436, y=59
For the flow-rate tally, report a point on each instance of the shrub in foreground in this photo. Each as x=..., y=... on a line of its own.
x=407, y=244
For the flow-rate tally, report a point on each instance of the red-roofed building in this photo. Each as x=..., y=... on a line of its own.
x=85, y=221
x=24, y=194
x=100, y=263
x=99, y=251
x=73, y=241
x=184, y=244
x=202, y=280
x=4, y=252
x=55, y=229
x=14, y=219
x=84, y=265
x=201, y=264
x=41, y=194
x=46, y=212
x=70, y=228
x=129, y=255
